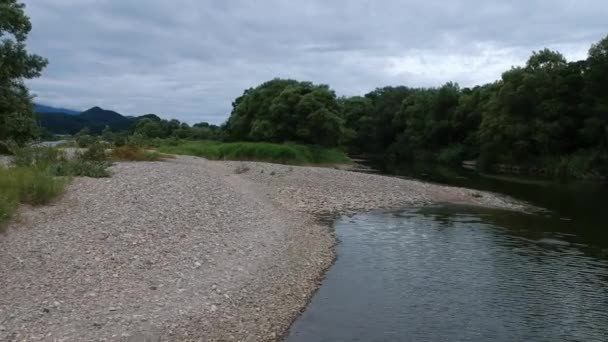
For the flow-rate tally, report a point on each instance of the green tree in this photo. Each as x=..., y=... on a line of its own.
x=150, y=128
x=17, y=120
x=287, y=110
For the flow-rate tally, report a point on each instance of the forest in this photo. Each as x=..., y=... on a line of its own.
x=549, y=113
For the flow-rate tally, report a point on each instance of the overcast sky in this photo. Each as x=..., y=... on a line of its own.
x=188, y=59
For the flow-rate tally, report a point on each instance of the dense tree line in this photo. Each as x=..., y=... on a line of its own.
x=151, y=126
x=549, y=112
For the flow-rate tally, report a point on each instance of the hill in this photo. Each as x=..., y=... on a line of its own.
x=96, y=119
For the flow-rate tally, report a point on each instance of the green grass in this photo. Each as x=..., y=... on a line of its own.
x=266, y=152
x=41, y=174
x=133, y=153
x=27, y=185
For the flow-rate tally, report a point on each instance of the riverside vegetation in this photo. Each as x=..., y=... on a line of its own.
x=275, y=153
x=39, y=174
x=549, y=114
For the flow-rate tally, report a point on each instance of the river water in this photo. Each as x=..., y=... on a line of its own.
x=457, y=273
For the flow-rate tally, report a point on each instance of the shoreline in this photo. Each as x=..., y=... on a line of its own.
x=189, y=249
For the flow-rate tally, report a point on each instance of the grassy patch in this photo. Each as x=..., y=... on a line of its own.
x=40, y=174
x=133, y=153
x=80, y=168
x=267, y=152
x=30, y=185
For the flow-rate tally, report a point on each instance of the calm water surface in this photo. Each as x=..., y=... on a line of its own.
x=456, y=273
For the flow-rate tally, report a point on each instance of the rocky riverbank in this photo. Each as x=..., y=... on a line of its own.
x=186, y=249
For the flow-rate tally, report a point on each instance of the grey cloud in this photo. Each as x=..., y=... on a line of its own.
x=189, y=59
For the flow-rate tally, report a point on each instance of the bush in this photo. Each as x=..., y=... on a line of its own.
x=84, y=141
x=31, y=185
x=8, y=204
x=132, y=153
x=581, y=165
x=37, y=156
x=95, y=152
x=451, y=155
x=137, y=140
x=275, y=153
x=85, y=168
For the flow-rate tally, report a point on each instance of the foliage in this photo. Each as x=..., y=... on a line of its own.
x=95, y=152
x=17, y=121
x=287, y=111
x=36, y=156
x=134, y=153
x=30, y=185
x=276, y=153
x=81, y=168
x=53, y=161
x=27, y=185
x=549, y=113
x=451, y=155
x=84, y=139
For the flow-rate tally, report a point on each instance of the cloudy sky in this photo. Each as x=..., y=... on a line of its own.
x=188, y=59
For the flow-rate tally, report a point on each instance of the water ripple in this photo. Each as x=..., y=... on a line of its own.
x=446, y=274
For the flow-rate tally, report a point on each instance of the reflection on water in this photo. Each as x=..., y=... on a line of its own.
x=452, y=273
x=575, y=206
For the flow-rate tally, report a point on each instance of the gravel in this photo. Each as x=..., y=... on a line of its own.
x=187, y=249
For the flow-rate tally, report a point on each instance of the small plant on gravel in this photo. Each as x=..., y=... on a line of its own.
x=30, y=185
x=241, y=169
x=81, y=168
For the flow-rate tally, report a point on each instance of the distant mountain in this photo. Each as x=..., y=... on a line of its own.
x=96, y=119
x=40, y=108
x=97, y=114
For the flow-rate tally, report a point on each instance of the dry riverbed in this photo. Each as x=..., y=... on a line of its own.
x=186, y=249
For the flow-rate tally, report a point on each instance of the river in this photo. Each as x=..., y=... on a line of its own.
x=457, y=273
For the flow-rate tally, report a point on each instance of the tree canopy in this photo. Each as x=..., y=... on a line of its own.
x=547, y=112
x=287, y=110
x=17, y=121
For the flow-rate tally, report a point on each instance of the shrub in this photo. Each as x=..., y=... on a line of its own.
x=37, y=156
x=85, y=140
x=31, y=185
x=133, y=153
x=86, y=168
x=8, y=203
x=137, y=140
x=451, y=155
x=276, y=153
x=95, y=152
x=581, y=165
